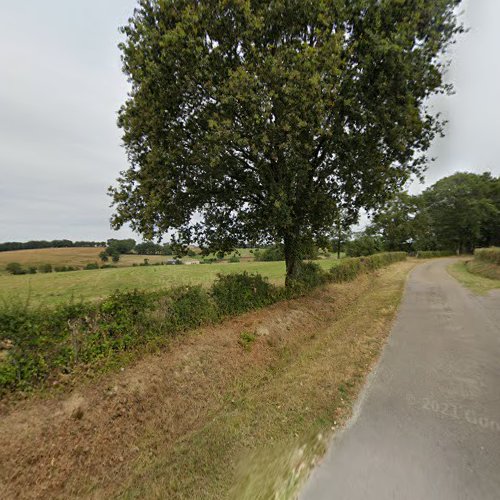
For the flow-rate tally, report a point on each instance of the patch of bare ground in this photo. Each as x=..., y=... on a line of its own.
x=207, y=418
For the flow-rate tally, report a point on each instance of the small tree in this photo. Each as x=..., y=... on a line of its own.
x=115, y=257
x=104, y=256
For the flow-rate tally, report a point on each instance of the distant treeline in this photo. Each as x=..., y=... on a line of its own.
x=30, y=245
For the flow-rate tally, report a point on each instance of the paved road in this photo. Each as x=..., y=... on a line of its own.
x=428, y=424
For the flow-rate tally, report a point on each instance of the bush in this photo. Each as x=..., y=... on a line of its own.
x=45, y=268
x=64, y=269
x=362, y=246
x=42, y=343
x=91, y=265
x=14, y=268
x=430, y=254
x=208, y=261
x=32, y=270
x=234, y=259
x=273, y=253
x=237, y=293
x=310, y=276
x=491, y=255
x=349, y=268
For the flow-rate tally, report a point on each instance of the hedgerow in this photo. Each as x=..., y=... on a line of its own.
x=37, y=345
x=429, y=254
x=491, y=255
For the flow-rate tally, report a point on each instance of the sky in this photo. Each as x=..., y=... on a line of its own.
x=61, y=86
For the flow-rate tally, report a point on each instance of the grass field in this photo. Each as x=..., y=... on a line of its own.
x=78, y=257
x=55, y=288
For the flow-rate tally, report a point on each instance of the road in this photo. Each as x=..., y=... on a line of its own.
x=427, y=425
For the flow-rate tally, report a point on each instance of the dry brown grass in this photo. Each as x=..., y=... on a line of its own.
x=207, y=418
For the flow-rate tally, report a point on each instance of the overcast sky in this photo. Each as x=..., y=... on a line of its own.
x=61, y=86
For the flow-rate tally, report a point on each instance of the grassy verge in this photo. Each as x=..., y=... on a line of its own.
x=478, y=276
x=274, y=422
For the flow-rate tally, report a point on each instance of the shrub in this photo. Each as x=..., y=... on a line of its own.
x=91, y=265
x=347, y=269
x=32, y=270
x=430, y=254
x=362, y=246
x=491, y=255
x=273, y=253
x=45, y=268
x=310, y=276
x=41, y=343
x=14, y=268
x=237, y=293
x=188, y=307
x=234, y=259
x=64, y=269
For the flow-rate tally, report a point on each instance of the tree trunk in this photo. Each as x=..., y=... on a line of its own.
x=292, y=258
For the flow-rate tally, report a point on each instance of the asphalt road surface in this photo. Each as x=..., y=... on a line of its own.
x=427, y=426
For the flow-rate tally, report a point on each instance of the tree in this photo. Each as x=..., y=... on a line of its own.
x=463, y=210
x=341, y=232
x=115, y=257
x=104, y=256
x=259, y=121
x=363, y=244
x=403, y=224
x=120, y=246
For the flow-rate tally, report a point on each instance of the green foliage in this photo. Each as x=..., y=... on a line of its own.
x=270, y=254
x=458, y=213
x=120, y=246
x=403, y=225
x=246, y=340
x=430, y=254
x=349, y=268
x=269, y=118
x=45, y=268
x=64, y=269
x=491, y=255
x=151, y=248
x=238, y=293
x=464, y=210
x=234, y=259
x=39, y=344
x=104, y=256
x=363, y=244
x=14, y=268
x=91, y=265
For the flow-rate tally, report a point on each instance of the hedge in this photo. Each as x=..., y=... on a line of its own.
x=430, y=254
x=39, y=344
x=491, y=255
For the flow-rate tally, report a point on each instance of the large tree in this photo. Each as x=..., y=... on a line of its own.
x=464, y=211
x=404, y=224
x=259, y=120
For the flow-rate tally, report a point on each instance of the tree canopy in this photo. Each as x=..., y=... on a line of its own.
x=258, y=121
x=459, y=212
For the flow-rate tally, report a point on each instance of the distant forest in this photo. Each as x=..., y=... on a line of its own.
x=29, y=245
